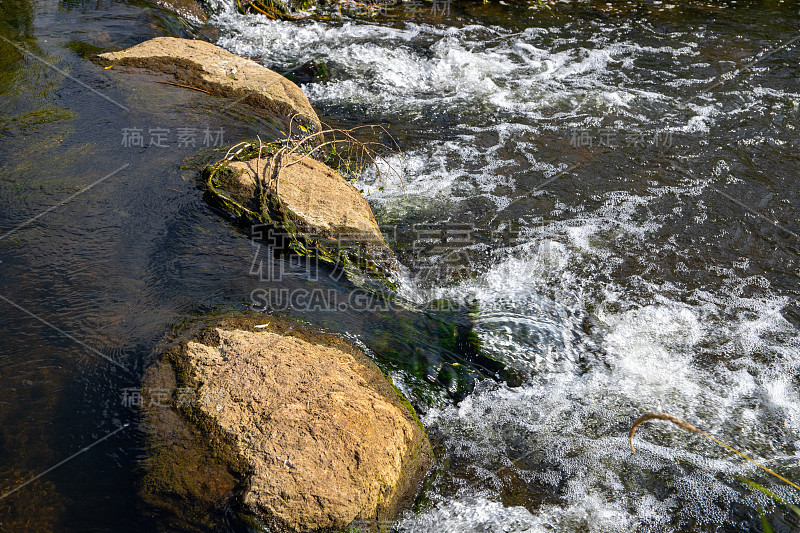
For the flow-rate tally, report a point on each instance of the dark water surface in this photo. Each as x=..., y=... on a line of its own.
x=624, y=178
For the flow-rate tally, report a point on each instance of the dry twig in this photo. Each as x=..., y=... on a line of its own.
x=351, y=153
x=688, y=427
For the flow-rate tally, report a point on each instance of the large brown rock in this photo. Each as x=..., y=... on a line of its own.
x=326, y=438
x=208, y=67
x=310, y=200
x=320, y=200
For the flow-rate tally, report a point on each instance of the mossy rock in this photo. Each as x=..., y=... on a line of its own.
x=305, y=205
x=279, y=413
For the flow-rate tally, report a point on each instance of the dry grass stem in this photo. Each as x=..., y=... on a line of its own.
x=688, y=427
x=343, y=150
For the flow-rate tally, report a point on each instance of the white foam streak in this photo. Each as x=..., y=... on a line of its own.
x=594, y=355
x=385, y=69
x=566, y=428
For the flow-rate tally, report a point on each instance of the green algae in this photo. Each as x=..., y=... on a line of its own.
x=84, y=50
x=32, y=119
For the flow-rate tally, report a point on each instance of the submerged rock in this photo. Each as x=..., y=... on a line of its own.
x=188, y=9
x=313, y=206
x=324, y=437
x=202, y=65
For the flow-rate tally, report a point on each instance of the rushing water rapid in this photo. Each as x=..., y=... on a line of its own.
x=643, y=168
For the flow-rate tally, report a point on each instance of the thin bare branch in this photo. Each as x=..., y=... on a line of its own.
x=688, y=427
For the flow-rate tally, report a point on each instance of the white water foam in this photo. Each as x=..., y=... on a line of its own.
x=412, y=71
x=717, y=358
x=565, y=430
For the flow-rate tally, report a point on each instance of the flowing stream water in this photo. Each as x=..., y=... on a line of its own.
x=616, y=184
